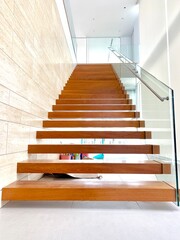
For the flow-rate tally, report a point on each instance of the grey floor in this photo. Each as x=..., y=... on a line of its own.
x=89, y=221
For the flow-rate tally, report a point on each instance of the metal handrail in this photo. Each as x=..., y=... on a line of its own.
x=120, y=56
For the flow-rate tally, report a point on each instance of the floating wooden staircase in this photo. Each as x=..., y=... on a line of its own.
x=93, y=98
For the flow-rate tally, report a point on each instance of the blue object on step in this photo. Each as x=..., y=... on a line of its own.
x=99, y=156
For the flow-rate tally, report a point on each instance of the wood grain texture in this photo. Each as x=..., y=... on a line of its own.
x=94, y=134
x=93, y=107
x=85, y=148
x=83, y=166
x=99, y=83
x=94, y=101
x=130, y=123
x=96, y=90
x=92, y=95
x=91, y=86
x=93, y=191
x=93, y=114
x=91, y=76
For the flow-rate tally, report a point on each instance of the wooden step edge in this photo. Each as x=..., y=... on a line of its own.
x=85, y=101
x=91, y=87
x=95, y=76
x=79, y=107
x=115, y=87
x=82, y=124
x=96, y=190
x=93, y=104
x=95, y=79
x=95, y=96
x=92, y=77
x=166, y=167
x=94, y=134
x=155, y=149
x=107, y=90
x=93, y=148
x=94, y=88
x=91, y=166
x=81, y=82
x=94, y=114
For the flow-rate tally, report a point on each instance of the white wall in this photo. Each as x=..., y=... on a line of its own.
x=66, y=25
x=173, y=21
x=159, y=44
x=126, y=46
x=135, y=42
x=153, y=45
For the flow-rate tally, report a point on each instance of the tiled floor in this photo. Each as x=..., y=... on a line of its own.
x=90, y=221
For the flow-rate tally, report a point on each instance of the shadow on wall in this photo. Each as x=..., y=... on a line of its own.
x=161, y=46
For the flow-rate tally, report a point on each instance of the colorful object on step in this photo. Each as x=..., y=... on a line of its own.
x=99, y=156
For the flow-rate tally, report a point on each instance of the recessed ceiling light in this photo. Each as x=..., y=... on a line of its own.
x=124, y=7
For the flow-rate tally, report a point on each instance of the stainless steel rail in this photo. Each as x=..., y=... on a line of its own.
x=121, y=56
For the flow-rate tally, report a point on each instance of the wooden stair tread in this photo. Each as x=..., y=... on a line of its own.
x=93, y=107
x=101, y=123
x=94, y=134
x=94, y=101
x=89, y=190
x=92, y=77
x=93, y=114
x=93, y=166
x=93, y=88
x=99, y=83
x=93, y=95
x=96, y=90
x=96, y=148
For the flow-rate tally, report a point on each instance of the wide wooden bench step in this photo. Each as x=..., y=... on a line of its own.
x=70, y=124
x=91, y=190
x=93, y=114
x=92, y=166
x=96, y=148
x=94, y=101
x=94, y=134
x=93, y=107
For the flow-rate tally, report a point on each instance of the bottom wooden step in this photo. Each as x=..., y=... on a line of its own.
x=91, y=190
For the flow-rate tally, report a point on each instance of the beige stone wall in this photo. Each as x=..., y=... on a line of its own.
x=34, y=65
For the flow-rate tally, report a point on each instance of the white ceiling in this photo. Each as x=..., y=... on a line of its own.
x=101, y=18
